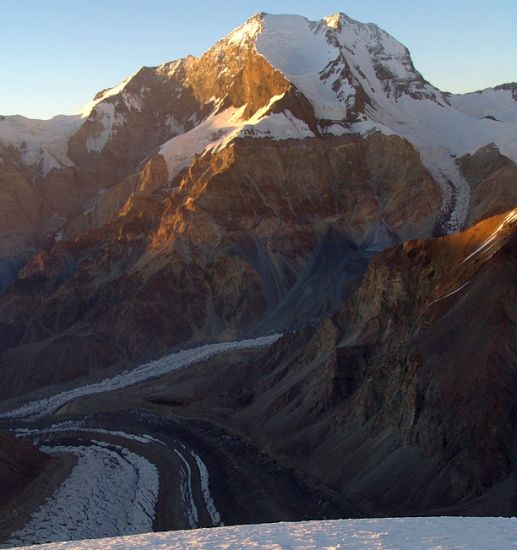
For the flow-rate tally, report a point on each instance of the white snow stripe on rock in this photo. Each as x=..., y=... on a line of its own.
x=186, y=491
x=205, y=489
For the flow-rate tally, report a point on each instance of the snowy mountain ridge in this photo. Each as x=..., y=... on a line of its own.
x=356, y=77
x=42, y=144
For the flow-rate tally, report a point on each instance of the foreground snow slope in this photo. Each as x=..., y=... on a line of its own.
x=399, y=533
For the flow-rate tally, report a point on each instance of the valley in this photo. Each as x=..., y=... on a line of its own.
x=275, y=282
x=136, y=470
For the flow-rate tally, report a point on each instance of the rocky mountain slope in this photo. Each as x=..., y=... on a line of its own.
x=403, y=403
x=236, y=192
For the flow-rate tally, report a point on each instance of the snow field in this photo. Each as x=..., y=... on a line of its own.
x=437, y=533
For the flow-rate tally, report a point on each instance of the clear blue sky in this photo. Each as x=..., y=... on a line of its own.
x=56, y=54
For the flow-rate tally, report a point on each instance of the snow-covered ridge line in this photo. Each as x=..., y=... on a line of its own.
x=147, y=371
x=219, y=129
x=352, y=534
x=329, y=61
x=86, y=110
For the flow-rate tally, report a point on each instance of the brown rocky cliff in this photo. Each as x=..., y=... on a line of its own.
x=34, y=208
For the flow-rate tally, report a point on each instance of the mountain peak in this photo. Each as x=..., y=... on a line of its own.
x=248, y=30
x=334, y=21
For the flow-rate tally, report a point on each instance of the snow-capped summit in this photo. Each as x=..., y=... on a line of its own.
x=338, y=63
x=353, y=77
x=276, y=77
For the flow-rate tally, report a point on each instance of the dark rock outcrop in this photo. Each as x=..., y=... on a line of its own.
x=493, y=181
x=20, y=462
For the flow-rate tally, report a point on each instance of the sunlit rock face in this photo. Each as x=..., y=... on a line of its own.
x=241, y=191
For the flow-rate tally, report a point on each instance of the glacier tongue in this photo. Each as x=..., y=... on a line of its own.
x=110, y=491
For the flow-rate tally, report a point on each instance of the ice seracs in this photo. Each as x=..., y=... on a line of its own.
x=110, y=490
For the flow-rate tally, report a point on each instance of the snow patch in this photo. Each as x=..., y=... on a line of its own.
x=174, y=126
x=219, y=129
x=186, y=491
x=330, y=59
x=245, y=33
x=106, y=116
x=86, y=111
x=205, y=489
x=302, y=53
x=179, y=151
x=496, y=103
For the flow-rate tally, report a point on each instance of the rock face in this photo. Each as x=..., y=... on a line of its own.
x=33, y=209
x=231, y=246
x=403, y=402
x=290, y=179
x=492, y=178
